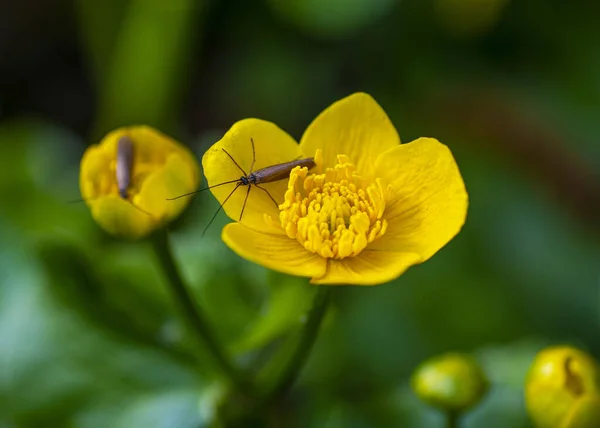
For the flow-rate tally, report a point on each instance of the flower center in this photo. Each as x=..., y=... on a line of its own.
x=335, y=214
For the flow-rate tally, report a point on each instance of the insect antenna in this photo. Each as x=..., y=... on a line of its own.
x=220, y=207
x=202, y=190
x=253, y=155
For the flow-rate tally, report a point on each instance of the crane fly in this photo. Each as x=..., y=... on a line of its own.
x=123, y=168
x=267, y=174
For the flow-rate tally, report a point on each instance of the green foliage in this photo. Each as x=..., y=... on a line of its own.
x=331, y=18
x=288, y=302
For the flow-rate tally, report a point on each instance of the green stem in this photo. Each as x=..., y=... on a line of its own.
x=307, y=339
x=452, y=419
x=195, y=318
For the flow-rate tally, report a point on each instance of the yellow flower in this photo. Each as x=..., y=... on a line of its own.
x=161, y=168
x=563, y=389
x=451, y=382
x=371, y=208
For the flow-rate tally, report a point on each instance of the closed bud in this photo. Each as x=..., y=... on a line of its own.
x=451, y=382
x=563, y=389
x=127, y=178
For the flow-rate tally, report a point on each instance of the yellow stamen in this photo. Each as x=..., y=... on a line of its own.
x=335, y=214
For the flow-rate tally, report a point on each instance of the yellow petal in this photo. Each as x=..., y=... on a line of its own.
x=277, y=252
x=427, y=203
x=96, y=177
x=120, y=218
x=151, y=145
x=585, y=413
x=272, y=146
x=355, y=126
x=174, y=178
x=368, y=268
x=152, y=148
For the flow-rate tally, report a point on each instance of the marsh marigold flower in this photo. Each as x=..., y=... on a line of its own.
x=160, y=169
x=563, y=389
x=451, y=382
x=370, y=208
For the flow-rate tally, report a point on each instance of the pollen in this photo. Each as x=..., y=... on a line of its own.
x=335, y=214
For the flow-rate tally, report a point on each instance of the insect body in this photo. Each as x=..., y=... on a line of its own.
x=124, y=165
x=255, y=178
x=123, y=169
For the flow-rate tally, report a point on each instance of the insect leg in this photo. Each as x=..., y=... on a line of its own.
x=267, y=192
x=220, y=207
x=245, y=200
x=140, y=210
x=76, y=201
x=129, y=202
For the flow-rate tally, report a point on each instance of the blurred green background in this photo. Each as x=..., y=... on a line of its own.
x=89, y=334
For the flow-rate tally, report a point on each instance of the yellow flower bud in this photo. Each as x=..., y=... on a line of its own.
x=563, y=389
x=158, y=168
x=585, y=413
x=451, y=382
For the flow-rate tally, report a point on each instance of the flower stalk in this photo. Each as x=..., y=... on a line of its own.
x=307, y=339
x=193, y=314
x=452, y=419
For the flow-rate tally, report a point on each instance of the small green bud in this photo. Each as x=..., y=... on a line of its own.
x=563, y=389
x=451, y=382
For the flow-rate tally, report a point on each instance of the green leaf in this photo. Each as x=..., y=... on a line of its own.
x=114, y=306
x=231, y=302
x=289, y=301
